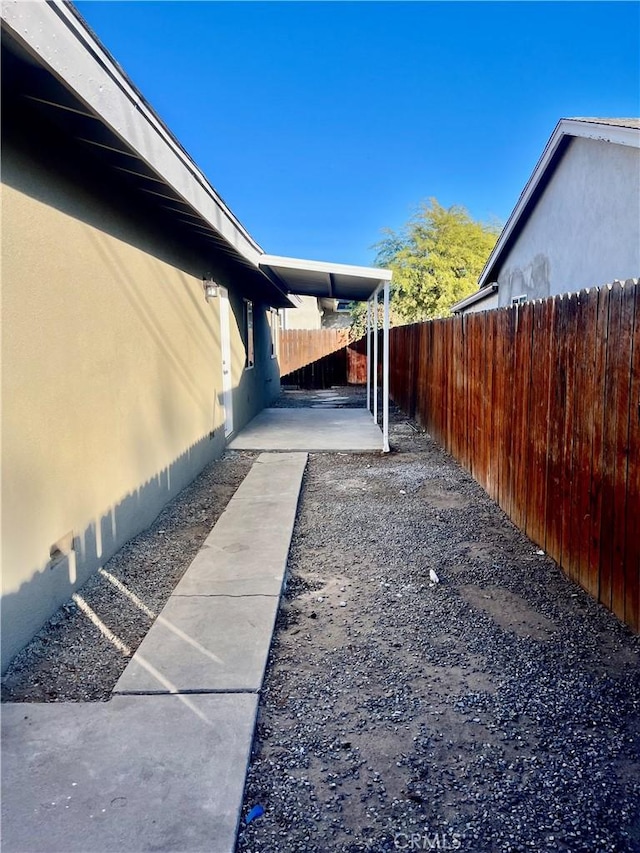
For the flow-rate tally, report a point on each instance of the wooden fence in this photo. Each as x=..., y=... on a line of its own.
x=298, y=347
x=541, y=403
x=346, y=366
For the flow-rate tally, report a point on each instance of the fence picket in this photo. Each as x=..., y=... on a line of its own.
x=541, y=403
x=632, y=511
x=299, y=347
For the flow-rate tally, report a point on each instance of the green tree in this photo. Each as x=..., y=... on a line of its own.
x=436, y=259
x=358, y=326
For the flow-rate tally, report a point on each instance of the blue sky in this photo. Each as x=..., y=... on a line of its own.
x=322, y=123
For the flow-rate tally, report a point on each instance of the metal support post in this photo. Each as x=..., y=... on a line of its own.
x=385, y=372
x=369, y=354
x=375, y=355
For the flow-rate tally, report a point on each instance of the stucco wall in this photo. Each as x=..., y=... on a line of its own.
x=305, y=316
x=484, y=305
x=111, y=382
x=584, y=230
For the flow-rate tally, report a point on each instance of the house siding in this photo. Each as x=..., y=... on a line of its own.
x=585, y=228
x=111, y=374
x=486, y=304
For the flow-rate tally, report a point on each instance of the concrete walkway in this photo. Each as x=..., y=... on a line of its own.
x=162, y=765
x=314, y=429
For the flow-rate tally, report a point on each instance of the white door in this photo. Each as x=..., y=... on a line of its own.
x=225, y=346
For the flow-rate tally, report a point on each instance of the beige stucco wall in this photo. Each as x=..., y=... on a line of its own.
x=307, y=315
x=111, y=385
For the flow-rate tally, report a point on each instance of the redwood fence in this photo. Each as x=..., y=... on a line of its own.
x=299, y=347
x=541, y=403
x=346, y=366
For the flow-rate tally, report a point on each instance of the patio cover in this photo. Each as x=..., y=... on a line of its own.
x=343, y=281
x=321, y=279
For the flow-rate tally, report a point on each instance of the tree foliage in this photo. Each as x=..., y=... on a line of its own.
x=436, y=260
x=359, y=318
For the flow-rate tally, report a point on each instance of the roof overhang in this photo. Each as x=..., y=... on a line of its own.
x=322, y=279
x=617, y=131
x=59, y=70
x=478, y=296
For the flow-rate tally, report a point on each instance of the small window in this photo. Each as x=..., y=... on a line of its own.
x=519, y=300
x=248, y=333
x=275, y=332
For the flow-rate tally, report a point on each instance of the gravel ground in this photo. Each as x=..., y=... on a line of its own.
x=70, y=659
x=497, y=710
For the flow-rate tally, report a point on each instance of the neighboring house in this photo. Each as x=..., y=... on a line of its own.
x=306, y=315
x=122, y=376
x=336, y=313
x=577, y=222
x=316, y=313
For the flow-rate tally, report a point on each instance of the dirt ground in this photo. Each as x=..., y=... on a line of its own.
x=495, y=710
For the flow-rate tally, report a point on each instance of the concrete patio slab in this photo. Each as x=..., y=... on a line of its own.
x=136, y=774
x=314, y=429
x=204, y=643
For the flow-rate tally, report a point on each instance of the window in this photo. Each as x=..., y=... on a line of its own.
x=248, y=333
x=275, y=332
x=519, y=300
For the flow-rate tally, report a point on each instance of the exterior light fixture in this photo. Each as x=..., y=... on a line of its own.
x=209, y=286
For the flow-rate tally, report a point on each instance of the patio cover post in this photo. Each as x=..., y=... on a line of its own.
x=369, y=354
x=385, y=373
x=375, y=353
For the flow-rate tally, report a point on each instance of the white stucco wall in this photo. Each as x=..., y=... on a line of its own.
x=584, y=230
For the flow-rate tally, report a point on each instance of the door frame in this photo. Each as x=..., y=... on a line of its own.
x=225, y=360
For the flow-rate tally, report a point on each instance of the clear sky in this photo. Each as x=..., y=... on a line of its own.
x=320, y=123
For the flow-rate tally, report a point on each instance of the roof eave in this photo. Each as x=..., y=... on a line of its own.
x=323, y=279
x=374, y=273
x=56, y=35
x=478, y=296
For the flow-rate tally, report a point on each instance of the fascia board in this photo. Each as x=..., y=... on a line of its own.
x=614, y=133
x=325, y=267
x=54, y=34
x=478, y=296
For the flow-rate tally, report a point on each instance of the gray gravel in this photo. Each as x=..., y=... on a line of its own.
x=70, y=660
x=497, y=710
